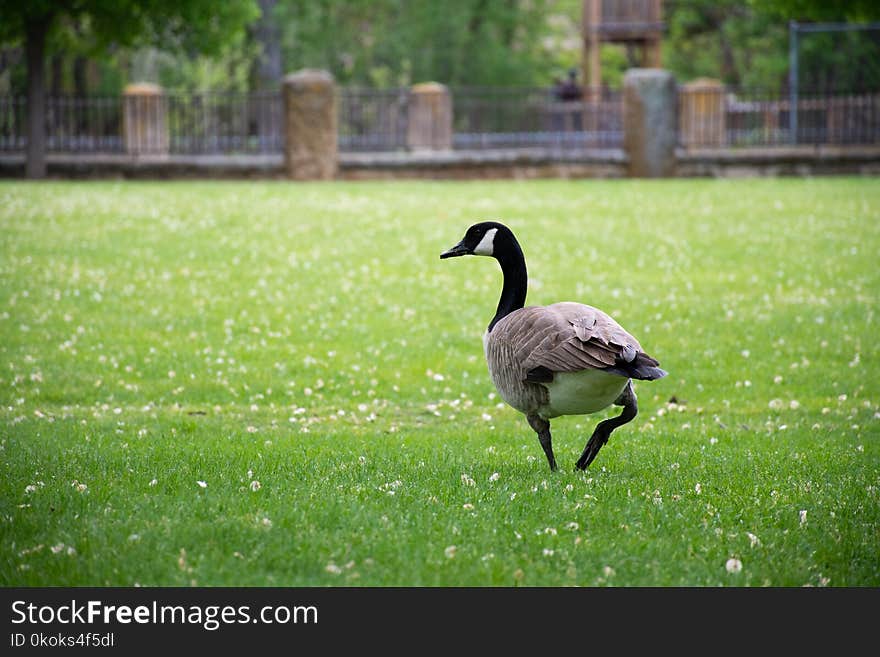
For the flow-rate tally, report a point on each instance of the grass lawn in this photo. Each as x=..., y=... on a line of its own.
x=262, y=383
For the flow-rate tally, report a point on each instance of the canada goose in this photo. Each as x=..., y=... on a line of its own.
x=563, y=359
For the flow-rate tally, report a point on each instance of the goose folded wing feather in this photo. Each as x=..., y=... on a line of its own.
x=567, y=337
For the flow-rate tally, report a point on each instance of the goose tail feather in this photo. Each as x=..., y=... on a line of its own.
x=642, y=367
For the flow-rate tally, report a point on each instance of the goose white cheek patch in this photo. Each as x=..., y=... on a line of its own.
x=487, y=244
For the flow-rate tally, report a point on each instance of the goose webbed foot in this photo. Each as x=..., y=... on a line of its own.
x=542, y=428
x=603, y=430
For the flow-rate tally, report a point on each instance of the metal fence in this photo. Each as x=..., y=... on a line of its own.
x=228, y=123
x=371, y=120
x=486, y=118
x=202, y=123
x=735, y=118
x=73, y=124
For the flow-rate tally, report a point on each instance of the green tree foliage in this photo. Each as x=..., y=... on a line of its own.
x=197, y=25
x=193, y=25
x=745, y=42
x=393, y=42
x=199, y=44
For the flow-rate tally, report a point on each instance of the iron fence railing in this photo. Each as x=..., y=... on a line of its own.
x=174, y=123
x=73, y=124
x=509, y=118
x=376, y=120
x=373, y=119
x=224, y=123
x=724, y=117
x=13, y=115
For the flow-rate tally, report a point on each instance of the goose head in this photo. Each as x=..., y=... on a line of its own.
x=487, y=238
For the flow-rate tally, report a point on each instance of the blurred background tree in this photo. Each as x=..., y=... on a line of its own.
x=97, y=47
x=68, y=31
x=745, y=43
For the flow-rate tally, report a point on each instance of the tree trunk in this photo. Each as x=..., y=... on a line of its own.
x=269, y=68
x=80, y=76
x=81, y=90
x=266, y=73
x=35, y=47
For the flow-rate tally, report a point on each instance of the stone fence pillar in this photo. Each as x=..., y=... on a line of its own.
x=311, y=150
x=430, y=117
x=649, y=122
x=144, y=120
x=702, y=121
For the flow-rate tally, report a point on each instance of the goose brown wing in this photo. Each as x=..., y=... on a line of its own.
x=565, y=337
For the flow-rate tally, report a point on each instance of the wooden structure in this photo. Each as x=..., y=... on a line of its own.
x=144, y=120
x=636, y=23
x=702, y=116
x=430, y=118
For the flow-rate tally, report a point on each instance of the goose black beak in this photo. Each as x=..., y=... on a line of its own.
x=458, y=250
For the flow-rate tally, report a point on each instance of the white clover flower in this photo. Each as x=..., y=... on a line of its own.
x=733, y=565
x=450, y=552
x=494, y=476
x=802, y=515
x=255, y=485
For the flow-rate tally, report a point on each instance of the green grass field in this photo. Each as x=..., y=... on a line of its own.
x=261, y=383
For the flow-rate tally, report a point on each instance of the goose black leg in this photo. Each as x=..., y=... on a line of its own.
x=603, y=430
x=542, y=428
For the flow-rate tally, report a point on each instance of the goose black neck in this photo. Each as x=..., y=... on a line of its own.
x=513, y=293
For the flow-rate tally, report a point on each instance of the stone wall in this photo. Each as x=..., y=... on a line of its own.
x=718, y=163
x=649, y=122
x=310, y=152
x=430, y=118
x=310, y=124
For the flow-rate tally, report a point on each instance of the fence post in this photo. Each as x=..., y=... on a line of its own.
x=702, y=121
x=144, y=120
x=649, y=122
x=430, y=117
x=311, y=150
